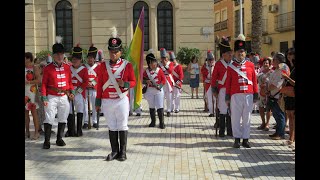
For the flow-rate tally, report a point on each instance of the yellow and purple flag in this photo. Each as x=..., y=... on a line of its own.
x=135, y=56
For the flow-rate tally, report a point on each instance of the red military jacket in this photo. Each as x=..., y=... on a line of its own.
x=160, y=78
x=236, y=83
x=205, y=71
x=80, y=79
x=126, y=74
x=92, y=75
x=167, y=70
x=56, y=77
x=219, y=75
x=178, y=75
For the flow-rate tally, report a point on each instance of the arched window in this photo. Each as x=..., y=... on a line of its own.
x=165, y=25
x=136, y=14
x=64, y=23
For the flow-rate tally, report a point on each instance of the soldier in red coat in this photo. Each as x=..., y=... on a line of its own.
x=154, y=79
x=116, y=76
x=167, y=68
x=218, y=85
x=92, y=67
x=177, y=75
x=56, y=89
x=80, y=82
x=206, y=71
x=241, y=93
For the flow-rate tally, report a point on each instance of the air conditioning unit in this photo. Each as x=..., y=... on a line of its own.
x=273, y=8
x=266, y=40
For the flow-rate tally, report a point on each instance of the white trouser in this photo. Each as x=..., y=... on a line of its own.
x=241, y=107
x=116, y=112
x=154, y=97
x=209, y=97
x=168, y=96
x=176, y=93
x=79, y=104
x=222, y=105
x=92, y=99
x=57, y=104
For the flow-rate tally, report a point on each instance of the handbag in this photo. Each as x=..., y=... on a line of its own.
x=144, y=89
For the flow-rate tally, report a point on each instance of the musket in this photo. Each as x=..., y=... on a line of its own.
x=73, y=124
x=89, y=122
x=217, y=117
x=98, y=117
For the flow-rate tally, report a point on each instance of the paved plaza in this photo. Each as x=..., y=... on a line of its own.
x=186, y=149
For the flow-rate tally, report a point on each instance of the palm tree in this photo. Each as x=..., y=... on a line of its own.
x=256, y=26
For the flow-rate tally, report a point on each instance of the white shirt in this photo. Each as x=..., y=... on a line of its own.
x=276, y=80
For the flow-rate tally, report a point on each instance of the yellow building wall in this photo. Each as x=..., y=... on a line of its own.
x=276, y=37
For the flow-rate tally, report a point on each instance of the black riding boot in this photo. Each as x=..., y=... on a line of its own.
x=60, y=141
x=245, y=143
x=47, y=135
x=113, y=136
x=70, y=124
x=236, y=143
x=229, y=126
x=79, y=124
x=222, y=125
x=153, y=117
x=123, y=145
x=161, y=118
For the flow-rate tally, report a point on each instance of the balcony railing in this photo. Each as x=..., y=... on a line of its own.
x=285, y=22
x=221, y=25
x=216, y=1
x=264, y=27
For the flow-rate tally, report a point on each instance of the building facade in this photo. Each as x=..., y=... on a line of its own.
x=168, y=23
x=278, y=25
x=223, y=21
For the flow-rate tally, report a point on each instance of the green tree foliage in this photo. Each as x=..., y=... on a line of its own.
x=185, y=54
x=43, y=55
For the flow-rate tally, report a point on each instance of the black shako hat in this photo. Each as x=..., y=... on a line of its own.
x=58, y=46
x=92, y=51
x=77, y=51
x=114, y=42
x=224, y=45
x=240, y=43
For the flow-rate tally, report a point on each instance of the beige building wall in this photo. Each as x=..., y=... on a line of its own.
x=276, y=36
x=93, y=18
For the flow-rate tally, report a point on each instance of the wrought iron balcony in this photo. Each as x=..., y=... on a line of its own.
x=285, y=21
x=221, y=25
x=237, y=3
x=264, y=27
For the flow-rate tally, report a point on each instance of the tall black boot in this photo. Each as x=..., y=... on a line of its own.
x=236, y=143
x=161, y=118
x=123, y=145
x=47, y=135
x=245, y=143
x=70, y=124
x=153, y=117
x=222, y=125
x=60, y=141
x=79, y=124
x=113, y=136
x=229, y=126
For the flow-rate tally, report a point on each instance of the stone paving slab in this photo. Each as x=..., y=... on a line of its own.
x=186, y=149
